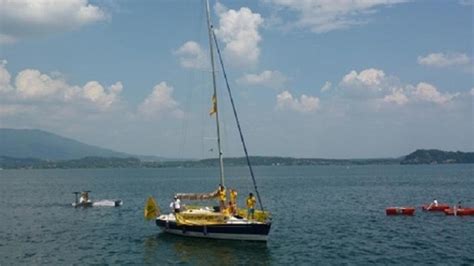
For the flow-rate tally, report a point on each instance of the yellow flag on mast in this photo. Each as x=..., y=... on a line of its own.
x=214, y=105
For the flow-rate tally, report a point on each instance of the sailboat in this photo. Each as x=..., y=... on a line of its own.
x=215, y=221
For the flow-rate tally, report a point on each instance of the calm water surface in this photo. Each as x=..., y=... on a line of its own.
x=326, y=214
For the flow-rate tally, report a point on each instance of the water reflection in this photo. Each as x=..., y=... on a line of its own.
x=200, y=251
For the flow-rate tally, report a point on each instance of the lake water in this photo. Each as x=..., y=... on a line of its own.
x=323, y=214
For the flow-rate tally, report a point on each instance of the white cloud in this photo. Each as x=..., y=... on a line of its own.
x=191, y=55
x=305, y=104
x=325, y=15
x=268, y=78
x=239, y=32
x=444, y=59
x=371, y=78
x=472, y=92
x=96, y=93
x=23, y=18
x=33, y=87
x=375, y=84
x=327, y=86
x=398, y=97
x=160, y=102
x=422, y=92
x=31, y=83
x=429, y=93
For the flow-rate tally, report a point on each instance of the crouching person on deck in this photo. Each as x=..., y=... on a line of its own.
x=251, y=206
x=231, y=209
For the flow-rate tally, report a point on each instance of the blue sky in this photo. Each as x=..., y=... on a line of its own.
x=352, y=79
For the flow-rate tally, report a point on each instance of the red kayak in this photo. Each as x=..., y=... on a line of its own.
x=400, y=211
x=439, y=208
x=460, y=211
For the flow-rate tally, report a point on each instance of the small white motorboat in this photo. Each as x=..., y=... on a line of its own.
x=85, y=202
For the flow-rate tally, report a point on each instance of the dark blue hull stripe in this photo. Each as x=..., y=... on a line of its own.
x=247, y=229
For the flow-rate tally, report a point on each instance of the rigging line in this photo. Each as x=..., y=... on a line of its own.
x=237, y=121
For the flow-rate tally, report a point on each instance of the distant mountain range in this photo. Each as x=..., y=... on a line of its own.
x=39, y=144
x=32, y=148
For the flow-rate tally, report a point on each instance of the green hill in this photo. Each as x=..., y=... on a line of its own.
x=34, y=143
x=438, y=157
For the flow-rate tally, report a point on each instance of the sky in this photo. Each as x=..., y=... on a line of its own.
x=313, y=78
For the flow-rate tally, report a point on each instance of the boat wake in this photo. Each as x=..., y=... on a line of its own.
x=107, y=203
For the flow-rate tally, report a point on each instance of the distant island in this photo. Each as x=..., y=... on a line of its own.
x=438, y=157
x=417, y=157
x=38, y=149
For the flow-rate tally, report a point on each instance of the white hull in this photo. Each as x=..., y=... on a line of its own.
x=107, y=203
x=100, y=203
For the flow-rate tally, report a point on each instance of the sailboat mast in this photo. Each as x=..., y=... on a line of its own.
x=211, y=50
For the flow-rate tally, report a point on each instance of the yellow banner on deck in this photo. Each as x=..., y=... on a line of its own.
x=200, y=218
x=151, y=209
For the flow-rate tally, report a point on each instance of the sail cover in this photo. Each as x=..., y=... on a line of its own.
x=197, y=196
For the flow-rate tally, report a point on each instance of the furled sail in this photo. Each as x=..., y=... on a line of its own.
x=197, y=196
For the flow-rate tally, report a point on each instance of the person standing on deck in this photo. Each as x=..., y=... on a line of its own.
x=222, y=197
x=233, y=197
x=251, y=201
x=175, y=205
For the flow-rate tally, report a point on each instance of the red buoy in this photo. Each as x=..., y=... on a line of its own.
x=400, y=211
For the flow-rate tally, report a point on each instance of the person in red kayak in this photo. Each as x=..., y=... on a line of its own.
x=433, y=204
x=456, y=208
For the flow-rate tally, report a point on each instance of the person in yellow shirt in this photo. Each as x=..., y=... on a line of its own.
x=251, y=201
x=233, y=197
x=233, y=202
x=222, y=197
